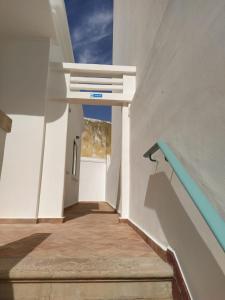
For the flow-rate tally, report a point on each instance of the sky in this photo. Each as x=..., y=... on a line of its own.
x=91, y=31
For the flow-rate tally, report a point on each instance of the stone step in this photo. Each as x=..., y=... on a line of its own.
x=87, y=289
x=89, y=257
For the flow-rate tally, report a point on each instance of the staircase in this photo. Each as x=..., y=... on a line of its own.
x=90, y=256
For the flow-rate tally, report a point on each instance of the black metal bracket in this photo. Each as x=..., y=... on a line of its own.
x=151, y=151
x=152, y=159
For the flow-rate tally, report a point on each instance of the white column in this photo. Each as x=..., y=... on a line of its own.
x=125, y=163
x=129, y=85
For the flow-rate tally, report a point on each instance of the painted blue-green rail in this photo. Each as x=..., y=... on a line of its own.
x=209, y=213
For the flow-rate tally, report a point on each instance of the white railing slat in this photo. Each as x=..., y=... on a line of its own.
x=109, y=70
x=96, y=80
x=96, y=87
x=99, y=84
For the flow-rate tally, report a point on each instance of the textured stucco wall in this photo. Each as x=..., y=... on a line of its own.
x=178, y=48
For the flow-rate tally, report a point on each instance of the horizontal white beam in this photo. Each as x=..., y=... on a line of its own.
x=96, y=87
x=96, y=80
x=90, y=95
x=105, y=102
x=96, y=98
x=108, y=70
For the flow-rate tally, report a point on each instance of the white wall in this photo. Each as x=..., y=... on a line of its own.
x=60, y=127
x=56, y=122
x=92, y=179
x=23, y=73
x=178, y=48
x=2, y=147
x=113, y=178
x=75, y=126
x=31, y=54
x=176, y=223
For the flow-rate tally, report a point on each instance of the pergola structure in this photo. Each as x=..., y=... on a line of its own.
x=99, y=84
x=110, y=85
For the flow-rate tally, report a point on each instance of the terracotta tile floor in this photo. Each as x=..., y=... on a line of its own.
x=90, y=244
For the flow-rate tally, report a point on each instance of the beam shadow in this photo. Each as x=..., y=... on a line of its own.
x=82, y=209
x=10, y=255
x=184, y=238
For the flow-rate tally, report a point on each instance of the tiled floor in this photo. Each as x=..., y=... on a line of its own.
x=91, y=243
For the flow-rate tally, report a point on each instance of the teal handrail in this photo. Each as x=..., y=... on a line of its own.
x=207, y=210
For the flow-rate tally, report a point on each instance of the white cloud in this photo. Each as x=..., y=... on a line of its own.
x=88, y=56
x=100, y=18
x=95, y=26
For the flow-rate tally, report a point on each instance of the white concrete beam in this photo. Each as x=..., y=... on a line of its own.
x=109, y=70
x=96, y=87
x=97, y=80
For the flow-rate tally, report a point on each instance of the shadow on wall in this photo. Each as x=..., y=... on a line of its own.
x=113, y=186
x=113, y=176
x=118, y=200
x=11, y=254
x=57, y=91
x=196, y=259
x=26, y=77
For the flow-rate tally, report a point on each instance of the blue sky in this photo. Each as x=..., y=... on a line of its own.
x=91, y=30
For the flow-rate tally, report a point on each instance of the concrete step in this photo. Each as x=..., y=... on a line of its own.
x=85, y=279
x=86, y=290
x=89, y=257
